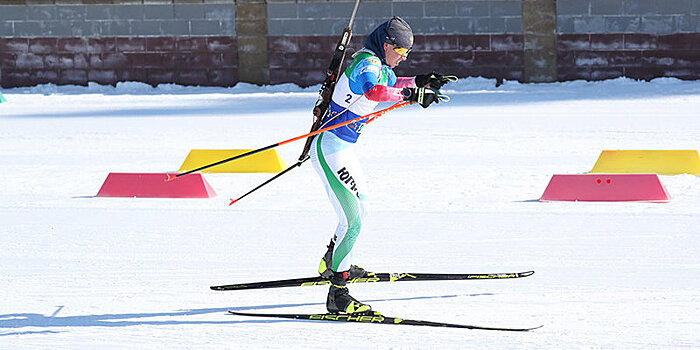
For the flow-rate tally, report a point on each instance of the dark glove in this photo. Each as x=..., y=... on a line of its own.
x=434, y=79
x=424, y=96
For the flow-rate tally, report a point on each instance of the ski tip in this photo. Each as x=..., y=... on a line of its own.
x=531, y=329
x=510, y=329
x=527, y=273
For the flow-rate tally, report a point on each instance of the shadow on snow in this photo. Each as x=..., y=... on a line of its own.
x=21, y=320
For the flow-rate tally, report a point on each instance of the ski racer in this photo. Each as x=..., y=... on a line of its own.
x=368, y=80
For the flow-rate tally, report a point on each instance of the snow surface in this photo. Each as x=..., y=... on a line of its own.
x=454, y=189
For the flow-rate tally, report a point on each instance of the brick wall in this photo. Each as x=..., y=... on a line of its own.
x=104, y=41
x=467, y=38
x=221, y=42
x=641, y=39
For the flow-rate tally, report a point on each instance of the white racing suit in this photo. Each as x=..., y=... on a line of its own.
x=364, y=84
x=341, y=174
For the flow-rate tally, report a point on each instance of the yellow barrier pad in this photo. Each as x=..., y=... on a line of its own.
x=268, y=161
x=662, y=162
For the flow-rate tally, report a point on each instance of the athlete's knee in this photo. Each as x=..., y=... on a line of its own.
x=354, y=226
x=355, y=229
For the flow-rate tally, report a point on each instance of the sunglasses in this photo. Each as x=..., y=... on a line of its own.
x=402, y=51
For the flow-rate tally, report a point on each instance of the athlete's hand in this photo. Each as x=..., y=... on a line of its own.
x=423, y=96
x=434, y=80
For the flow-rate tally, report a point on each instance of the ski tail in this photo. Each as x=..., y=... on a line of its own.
x=294, y=282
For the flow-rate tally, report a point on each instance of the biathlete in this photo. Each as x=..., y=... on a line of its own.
x=368, y=80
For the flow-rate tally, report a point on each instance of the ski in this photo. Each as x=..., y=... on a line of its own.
x=374, y=277
x=377, y=319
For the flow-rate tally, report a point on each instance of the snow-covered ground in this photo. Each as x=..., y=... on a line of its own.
x=454, y=189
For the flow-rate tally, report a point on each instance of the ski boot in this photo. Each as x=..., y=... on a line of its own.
x=340, y=301
x=324, y=268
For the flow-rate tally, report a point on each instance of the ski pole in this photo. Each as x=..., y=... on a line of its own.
x=306, y=157
x=249, y=153
x=297, y=164
x=443, y=98
x=300, y=162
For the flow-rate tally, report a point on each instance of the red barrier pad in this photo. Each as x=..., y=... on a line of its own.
x=606, y=188
x=153, y=185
